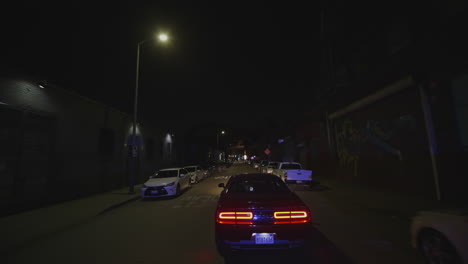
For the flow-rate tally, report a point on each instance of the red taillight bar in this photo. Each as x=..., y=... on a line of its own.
x=234, y=218
x=299, y=214
x=290, y=214
x=282, y=215
x=244, y=215
x=291, y=217
x=227, y=215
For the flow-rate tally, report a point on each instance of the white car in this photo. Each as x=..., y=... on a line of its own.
x=195, y=172
x=441, y=236
x=166, y=182
x=207, y=170
x=256, y=164
x=270, y=166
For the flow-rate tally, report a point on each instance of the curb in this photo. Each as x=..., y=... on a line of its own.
x=119, y=204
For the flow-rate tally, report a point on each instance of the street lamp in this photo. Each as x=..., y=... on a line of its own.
x=161, y=38
x=217, y=142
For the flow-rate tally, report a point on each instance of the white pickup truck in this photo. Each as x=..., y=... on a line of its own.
x=292, y=172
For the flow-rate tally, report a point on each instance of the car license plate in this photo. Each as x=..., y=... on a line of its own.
x=264, y=238
x=298, y=181
x=154, y=192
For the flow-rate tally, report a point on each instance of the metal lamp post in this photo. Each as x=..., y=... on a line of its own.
x=162, y=38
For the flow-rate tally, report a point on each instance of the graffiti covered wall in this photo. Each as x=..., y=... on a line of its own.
x=384, y=144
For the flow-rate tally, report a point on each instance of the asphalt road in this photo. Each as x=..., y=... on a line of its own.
x=181, y=230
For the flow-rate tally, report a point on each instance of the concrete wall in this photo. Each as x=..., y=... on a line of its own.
x=62, y=146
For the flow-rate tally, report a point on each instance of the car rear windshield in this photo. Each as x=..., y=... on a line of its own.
x=291, y=166
x=258, y=185
x=166, y=174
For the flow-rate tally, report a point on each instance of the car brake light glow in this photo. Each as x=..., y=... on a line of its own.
x=290, y=214
x=244, y=215
x=291, y=217
x=238, y=217
x=282, y=215
x=227, y=215
x=298, y=214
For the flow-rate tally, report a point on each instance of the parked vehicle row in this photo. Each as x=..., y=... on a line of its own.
x=173, y=181
x=254, y=210
x=292, y=172
x=270, y=166
x=289, y=172
x=263, y=165
x=195, y=173
x=166, y=182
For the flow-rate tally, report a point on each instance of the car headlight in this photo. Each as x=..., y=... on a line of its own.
x=169, y=184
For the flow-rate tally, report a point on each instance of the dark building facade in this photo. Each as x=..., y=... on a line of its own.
x=58, y=145
x=393, y=95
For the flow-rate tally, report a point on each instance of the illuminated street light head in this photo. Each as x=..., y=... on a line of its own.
x=222, y=132
x=163, y=37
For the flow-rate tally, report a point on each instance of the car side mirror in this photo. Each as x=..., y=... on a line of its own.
x=221, y=185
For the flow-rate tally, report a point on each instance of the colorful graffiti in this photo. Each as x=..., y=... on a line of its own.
x=347, y=143
x=350, y=138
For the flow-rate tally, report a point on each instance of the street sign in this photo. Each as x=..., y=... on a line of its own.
x=267, y=151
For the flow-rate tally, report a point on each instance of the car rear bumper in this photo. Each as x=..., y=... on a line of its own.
x=148, y=192
x=239, y=237
x=298, y=181
x=251, y=245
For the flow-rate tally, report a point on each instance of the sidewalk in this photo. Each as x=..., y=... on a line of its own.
x=20, y=230
x=379, y=201
x=369, y=225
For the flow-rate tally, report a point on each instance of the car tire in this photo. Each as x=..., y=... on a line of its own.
x=177, y=190
x=196, y=179
x=436, y=248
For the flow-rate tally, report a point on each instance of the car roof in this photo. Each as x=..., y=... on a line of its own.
x=252, y=175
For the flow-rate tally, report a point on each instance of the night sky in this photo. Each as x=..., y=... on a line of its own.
x=239, y=63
